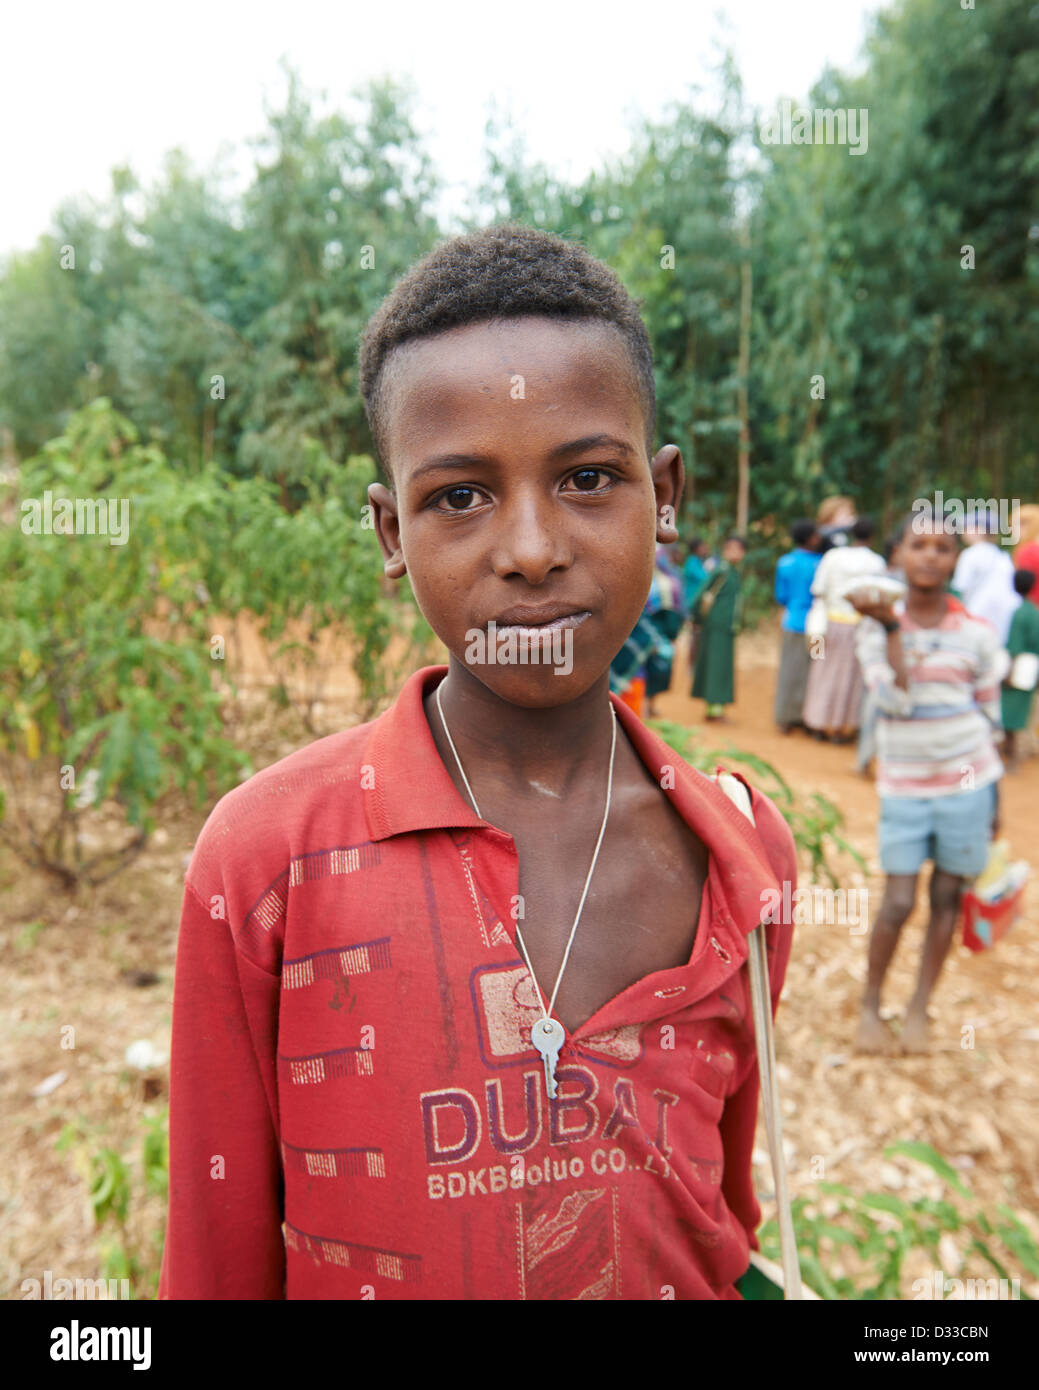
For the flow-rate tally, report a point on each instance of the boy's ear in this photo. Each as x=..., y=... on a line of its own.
x=386, y=523
x=668, y=475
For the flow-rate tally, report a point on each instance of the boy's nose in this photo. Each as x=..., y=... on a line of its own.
x=532, y=541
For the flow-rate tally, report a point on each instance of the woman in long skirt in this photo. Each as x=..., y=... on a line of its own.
x=717, y=610
x=833, y=699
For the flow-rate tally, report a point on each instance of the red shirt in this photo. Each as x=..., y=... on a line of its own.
x=351, y=1051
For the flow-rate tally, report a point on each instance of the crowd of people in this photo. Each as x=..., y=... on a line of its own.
x=925, y=651
x=820, y=687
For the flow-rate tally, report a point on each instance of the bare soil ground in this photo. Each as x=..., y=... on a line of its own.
x=978, y=1105
x=70, y=962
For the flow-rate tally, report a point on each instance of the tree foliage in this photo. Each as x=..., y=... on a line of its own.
x=114, y=680
x=895, y=320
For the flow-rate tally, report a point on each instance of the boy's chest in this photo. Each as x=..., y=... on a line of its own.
x=933, y=657
x=639, y=916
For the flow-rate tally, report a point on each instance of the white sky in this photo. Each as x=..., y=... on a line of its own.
x=86, y=87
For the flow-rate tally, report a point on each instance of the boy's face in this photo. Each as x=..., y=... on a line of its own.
x=504, y=501
x=927, y=557
x=732, y=552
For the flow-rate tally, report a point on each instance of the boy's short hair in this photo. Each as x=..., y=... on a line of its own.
x=801, y=532
x=1024, y=582
x=504, y=271
x=863, y=529
x=740, y=540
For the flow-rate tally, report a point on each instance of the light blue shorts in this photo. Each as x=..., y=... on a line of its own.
x=953, y=830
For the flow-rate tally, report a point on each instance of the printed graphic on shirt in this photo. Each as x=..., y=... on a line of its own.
x=334, y=1163
x=507, y=1004
x=335, y=962
x=326, y=1066
x=568, y=1248
x=479, y=1146
x=270, y=910
x=366, y=1259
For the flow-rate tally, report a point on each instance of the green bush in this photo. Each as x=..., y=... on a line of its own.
x=114, y=1186
x=108, y=662
x=872, y=1233
x=104, y=661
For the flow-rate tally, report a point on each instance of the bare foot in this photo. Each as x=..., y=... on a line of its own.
x=915, y=1033
x=872, y=1036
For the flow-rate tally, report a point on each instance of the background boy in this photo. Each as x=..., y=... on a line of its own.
x=793, y=591
x=352, y=1037
x=933, y=671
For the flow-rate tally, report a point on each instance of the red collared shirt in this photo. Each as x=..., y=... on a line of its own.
x=356, y=1110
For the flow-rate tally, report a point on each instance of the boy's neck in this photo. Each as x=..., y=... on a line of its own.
x=926, y=606
x=511, y=752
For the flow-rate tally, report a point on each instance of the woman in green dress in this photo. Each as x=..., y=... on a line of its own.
x=716, y=608
x=1024, y=637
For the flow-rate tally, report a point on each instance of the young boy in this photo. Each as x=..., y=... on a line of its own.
x=376, y=927
x=933, y=672
x=716, y=611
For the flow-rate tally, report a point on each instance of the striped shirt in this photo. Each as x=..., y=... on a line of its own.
x=936, y=738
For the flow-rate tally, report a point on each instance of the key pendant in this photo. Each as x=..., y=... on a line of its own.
x=548, y=1036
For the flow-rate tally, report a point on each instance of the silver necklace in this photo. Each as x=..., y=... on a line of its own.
x=547, y=1034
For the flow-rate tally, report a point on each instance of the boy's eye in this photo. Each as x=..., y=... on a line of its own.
x=584, y=479
x=458, y=498
x=462, y=498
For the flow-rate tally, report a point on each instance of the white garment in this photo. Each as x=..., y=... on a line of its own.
x=837, y=569
x=984, y=575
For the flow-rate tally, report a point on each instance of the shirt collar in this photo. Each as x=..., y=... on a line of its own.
x=409, y=789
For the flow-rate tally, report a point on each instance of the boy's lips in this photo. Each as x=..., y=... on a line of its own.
x=530, y=620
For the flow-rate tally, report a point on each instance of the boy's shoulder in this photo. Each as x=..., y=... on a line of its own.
x=257, y=826
x=755, y=849
x=960, y=621
x=775, y=833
